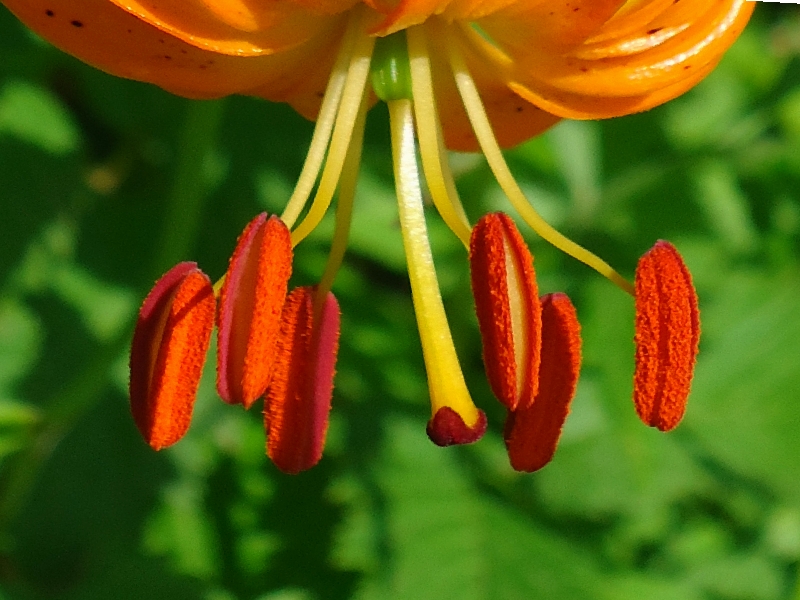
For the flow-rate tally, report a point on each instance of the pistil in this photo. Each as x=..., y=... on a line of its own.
x=445, y=379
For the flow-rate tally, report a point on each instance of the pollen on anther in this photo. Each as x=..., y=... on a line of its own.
x=532, y=433
x=169, y=348
x=667, y=336
x=508, y=309
x=298, y=400
x=249, y=316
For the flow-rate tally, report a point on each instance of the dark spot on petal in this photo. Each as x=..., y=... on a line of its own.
x=168, y=57
x=183, y=51
x=49, y=13
x=584, y=69
x=76, y=23
x=519, y=109
x=656, y=30
x=203, y=67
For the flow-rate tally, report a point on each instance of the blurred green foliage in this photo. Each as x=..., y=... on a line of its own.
x=105, y=183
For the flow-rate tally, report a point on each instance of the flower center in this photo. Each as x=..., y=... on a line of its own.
x=399, y=69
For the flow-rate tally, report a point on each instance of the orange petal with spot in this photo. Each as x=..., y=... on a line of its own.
x=556, y=25
x=532, y=433
x=250, y=306
x=646, y=55
x=667, y=336
x=201, y=49
x=447, y=428
x=168, y=352
x=299, y=397
x=508, y=309
x=233, y=27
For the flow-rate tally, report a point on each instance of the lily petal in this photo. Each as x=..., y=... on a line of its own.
x=553, y=24
x=210, y=61
x=643, y=65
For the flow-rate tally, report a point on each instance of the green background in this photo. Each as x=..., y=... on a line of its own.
x=105, y=183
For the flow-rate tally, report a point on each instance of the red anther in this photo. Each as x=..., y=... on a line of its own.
x=250, y=308
x=447, y=428
x=168, y=352
x=508, y=309
x=532, y=433
x=667, y=336
x=299, y=396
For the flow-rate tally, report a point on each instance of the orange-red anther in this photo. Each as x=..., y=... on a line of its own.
x=508, y=309
x=168, y=352
x=532, y=433
x=447, y=428
x=250, y=308
x=667, y=336
x=299, y=396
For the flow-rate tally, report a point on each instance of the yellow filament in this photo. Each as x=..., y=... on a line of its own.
x=483, y=131
x=431, y=146
x=323, y=128
x=344, y=208
x=445, y=379
x=352, y=98
x=218, y=285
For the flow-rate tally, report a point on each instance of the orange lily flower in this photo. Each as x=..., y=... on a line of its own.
x=459, y=74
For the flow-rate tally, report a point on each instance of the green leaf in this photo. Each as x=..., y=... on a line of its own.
x=20, y=342
x=18, y=414
x=743, y=407
x=181, y=529
x=609, y=464
x=447, y=541
x=34, y=115
x=741, y=577
x=104, y=308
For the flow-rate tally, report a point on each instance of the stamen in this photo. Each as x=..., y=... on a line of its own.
x=250, y=307
x=299, y=397
x=445, y=379
x=483, y=131
x=324, y=126
x=508, y=309
x=169, y=348
x=667, y=336
x=532, y=433
x=431, y=144
x=344, y=208
x=352, y=98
